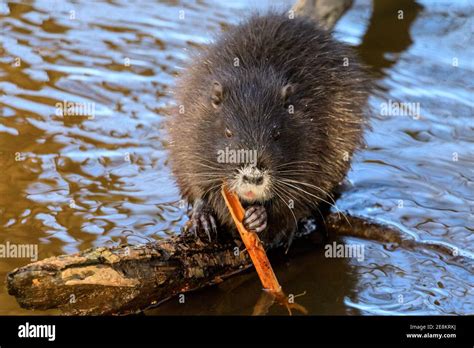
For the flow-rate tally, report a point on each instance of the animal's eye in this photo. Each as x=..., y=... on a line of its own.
x=228, y=133
x=276, y=135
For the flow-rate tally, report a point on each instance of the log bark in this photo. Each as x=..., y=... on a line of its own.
x=128, y=279
x=125, y=279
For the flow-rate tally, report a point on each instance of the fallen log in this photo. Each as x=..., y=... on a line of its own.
x=126, y=279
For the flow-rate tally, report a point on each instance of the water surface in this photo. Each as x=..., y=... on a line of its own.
x=69, y=183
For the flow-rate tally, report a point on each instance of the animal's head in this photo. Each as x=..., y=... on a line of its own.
x=253, y=133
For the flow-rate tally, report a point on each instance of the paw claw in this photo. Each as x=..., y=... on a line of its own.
x=213, y=224
x=249, y=211
x=261, y=228
x=255, y=218
x=205, y=226
x=202, y=221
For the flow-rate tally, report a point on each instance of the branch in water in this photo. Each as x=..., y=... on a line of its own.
x=325, y=12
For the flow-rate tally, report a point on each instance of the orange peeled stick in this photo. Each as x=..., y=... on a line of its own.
x=259, y=259
x=252, y=244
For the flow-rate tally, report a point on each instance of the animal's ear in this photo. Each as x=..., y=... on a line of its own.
x=286, y=92
x=217, y=94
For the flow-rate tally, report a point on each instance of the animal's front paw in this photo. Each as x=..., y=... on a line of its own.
x=255, y=218
x=202, y=221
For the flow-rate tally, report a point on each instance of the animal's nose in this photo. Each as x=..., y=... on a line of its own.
x=253, y=179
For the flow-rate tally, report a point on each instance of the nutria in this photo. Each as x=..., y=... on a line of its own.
x=279, y=88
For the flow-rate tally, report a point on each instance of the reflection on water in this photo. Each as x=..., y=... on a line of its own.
x=388, y=32
x=101, y=177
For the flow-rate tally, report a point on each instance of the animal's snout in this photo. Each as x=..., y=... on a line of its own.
x=254, y=179
x=253, y=184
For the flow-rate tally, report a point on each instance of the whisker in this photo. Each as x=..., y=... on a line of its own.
x=300, y=171
x=298, y=194
x=284, y=182
x=324, y=192
x=312, y=204
x=212, y=188
x=287, y=205
x=296, y=162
